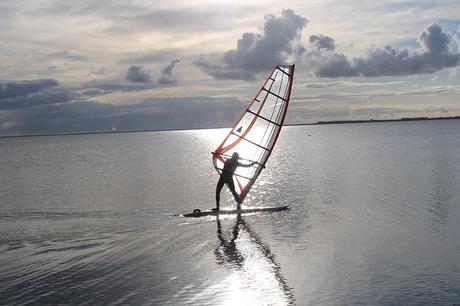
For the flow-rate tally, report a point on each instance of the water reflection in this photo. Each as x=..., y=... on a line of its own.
x=255, y=277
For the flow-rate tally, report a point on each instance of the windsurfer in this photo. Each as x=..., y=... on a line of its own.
x=226, y=177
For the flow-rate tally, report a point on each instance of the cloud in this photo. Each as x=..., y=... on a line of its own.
x=167, y=75
x=46, y=97
x=10, y=90
x=21, y=94
x=140, y=16
x=153, y=56
x=345, y=84
x=137, y=74
x=257, y=52
x=338, y=96
x=322, y=42
x=69, y=56
x=29, y=93
x=99, y=89
x=321, y=59
x=168, y=19
x=434, y=40
x=151, y=114
x=96, y=72
x=280, y=41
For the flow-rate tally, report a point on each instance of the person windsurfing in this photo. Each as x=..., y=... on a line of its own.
x=226, y=177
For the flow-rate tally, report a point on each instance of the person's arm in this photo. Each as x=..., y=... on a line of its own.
x=246, y=165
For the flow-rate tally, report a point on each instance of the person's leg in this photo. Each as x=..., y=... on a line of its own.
x=219, y=186
x=231, y=186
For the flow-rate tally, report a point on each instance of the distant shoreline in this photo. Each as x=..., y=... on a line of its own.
x=377, y=120
x=207, y=128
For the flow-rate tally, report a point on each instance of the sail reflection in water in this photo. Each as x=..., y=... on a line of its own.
x=255, y=277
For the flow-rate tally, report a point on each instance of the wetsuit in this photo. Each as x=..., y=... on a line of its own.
x=226, y=177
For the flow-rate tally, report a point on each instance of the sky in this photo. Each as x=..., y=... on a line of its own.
x=87, y=66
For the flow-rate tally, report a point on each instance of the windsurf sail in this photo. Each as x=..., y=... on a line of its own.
x=255, y=133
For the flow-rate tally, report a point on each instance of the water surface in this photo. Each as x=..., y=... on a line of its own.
x=374, y=219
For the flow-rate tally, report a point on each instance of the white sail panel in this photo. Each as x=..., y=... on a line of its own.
x=256, y=131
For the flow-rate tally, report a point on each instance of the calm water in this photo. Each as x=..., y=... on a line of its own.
x=374, y=219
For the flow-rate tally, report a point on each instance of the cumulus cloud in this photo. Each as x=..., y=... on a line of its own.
x=322, y=42
x=321, y=59
x=137, y=74
x=257, y=52
x=434, y=40
x=167, y=76
x=279, y=42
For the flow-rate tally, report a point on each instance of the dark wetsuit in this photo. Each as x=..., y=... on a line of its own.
x=226, y=177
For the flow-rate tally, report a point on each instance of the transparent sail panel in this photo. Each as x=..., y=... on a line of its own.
x=255, y=133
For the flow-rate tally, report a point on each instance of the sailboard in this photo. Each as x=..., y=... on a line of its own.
x=255, y=133
x=199, y=213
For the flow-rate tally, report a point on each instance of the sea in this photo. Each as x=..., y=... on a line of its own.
x=373, y=219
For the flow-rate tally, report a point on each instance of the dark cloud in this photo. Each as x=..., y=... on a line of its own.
x=279, y=41
x=11, y=90
x=212, y=64
x=257, y=52
x=322, y=60
x=29, y=93
x=152, y=114
x=434, y=40
x=326, y=63
x=44, y=97
x=21, y=94
x=137, y=74
x=322, y=42
x=167, y=76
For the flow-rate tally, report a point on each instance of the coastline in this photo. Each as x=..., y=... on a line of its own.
x=223, y=127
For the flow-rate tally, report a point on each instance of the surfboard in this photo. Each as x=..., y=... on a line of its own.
x=199, y=213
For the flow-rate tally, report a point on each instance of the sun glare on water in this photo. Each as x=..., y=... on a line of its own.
x=254, y=276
